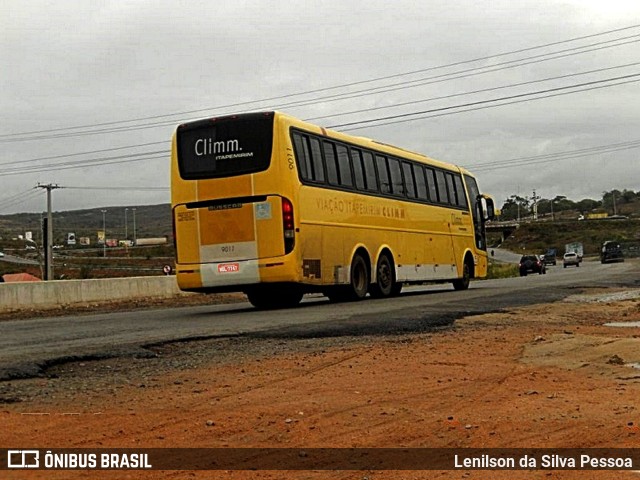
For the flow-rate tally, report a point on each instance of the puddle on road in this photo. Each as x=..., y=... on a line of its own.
x=623, y=324
x=633, y=365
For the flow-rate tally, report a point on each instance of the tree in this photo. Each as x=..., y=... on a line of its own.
x=514, y=207
x=628, y=196
x=586, y=205
x=544, y=206
x=611, y=199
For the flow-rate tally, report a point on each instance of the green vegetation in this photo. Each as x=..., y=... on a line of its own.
x=558, y=223
x=502, y=270
x=536, y=237
x=614, y=202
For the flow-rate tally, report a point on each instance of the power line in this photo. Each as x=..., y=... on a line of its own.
x=349, y=95
x=93, y=163
x=554, y=157
x=473, y=92
x=354, y=125
x=5, y=137
x=451, y=76
x=402, y=118
x=360, y=93
x=18, y=198
x=21, y=162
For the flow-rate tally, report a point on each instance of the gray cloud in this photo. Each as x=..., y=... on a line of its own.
x=68, y=63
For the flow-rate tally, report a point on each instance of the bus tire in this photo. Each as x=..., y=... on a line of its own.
x=385, y=277
x=358, y=283
x=463, y=283
x=265, y=298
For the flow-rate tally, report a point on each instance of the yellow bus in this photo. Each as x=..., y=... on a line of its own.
x=272, y=206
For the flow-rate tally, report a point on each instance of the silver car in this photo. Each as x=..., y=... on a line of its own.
x=570, y=258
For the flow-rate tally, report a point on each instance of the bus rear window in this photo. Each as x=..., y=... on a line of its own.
x=225, y=147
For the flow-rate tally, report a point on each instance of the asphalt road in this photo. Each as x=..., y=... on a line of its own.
x=28, y=346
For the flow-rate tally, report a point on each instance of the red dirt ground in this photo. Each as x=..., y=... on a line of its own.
x=545, y=376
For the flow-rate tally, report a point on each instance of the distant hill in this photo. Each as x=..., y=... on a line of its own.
x=150, y=221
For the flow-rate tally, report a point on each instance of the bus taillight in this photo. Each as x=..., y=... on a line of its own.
x=288, y=227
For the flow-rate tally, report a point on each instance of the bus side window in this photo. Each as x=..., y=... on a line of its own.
x=383, y=174
x=421, y=184
x=431, y=184
x=409, y=183
x=397, y=185
x=369, y=171
x=451, y=189
x=316, y=160
x=330, y=162
x=462, y=197
x=344, y=166
x=443, y=196
x=358, y=172
x=303, y=156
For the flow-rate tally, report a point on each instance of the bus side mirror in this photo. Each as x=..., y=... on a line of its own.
x=488, y=208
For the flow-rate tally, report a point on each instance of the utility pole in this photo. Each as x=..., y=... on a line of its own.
x=134, y=226
x=104, y=233
x=126, y=229
x=48, y=253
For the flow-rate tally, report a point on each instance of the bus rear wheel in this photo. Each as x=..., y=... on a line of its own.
x=270, y=298
x=385, y=278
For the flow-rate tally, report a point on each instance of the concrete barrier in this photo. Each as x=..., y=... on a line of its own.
x=20, y=295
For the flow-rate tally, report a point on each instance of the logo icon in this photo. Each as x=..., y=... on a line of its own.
x=23, y=458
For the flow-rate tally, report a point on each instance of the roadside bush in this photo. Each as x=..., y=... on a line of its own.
x=502, y=270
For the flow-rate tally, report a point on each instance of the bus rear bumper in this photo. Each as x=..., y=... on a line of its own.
x=233, y=276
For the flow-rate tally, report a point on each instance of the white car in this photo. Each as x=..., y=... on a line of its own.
x=1, y=254
x=570, y=258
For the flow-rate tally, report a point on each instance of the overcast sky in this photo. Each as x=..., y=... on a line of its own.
x=95, y=64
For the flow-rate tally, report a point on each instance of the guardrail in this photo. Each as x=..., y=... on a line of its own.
x=21, y=295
